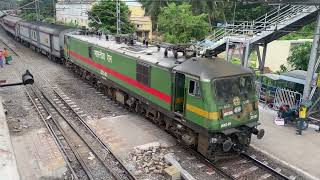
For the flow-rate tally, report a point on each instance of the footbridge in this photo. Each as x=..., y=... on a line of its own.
x=259, y=32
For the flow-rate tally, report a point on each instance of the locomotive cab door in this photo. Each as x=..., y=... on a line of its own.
x=179, y=93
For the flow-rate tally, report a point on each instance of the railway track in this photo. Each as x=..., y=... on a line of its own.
x=241, y=167
x=86, y=155
x=247, y=167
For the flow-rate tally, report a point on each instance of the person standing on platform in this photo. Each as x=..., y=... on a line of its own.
x=302, y=118
x=7, y=56
x=1, y=58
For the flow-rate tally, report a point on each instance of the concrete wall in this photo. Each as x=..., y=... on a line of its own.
x=278, y=52
x=8, y=168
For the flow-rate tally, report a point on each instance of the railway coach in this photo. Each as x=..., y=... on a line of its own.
x=210, y=104
x=41, y=37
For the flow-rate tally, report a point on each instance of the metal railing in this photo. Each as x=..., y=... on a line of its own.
x=274, y=97
x=267, y=23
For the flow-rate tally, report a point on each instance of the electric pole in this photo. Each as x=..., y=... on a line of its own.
x=118, y=17
x=54, y=10
x=36, y=4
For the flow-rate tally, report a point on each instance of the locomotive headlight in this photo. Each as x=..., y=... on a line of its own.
x=237, y=109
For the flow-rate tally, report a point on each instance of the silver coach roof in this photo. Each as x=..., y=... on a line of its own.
x=12, y=19
x=296, y=76
x=208, y=69
x=54, y=29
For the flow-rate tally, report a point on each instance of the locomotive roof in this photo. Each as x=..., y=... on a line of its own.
x=208, y=69
x=204, y=68
x=149, y=55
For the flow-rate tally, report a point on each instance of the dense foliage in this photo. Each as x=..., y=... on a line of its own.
x=106, y=12
x=179, y=25
x=305, y=32
x=45, y=7
x=300, y=55
x=219, y=11
x=245, y=12
x=153, y=8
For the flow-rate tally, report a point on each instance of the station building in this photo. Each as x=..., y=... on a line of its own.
x=278, y=52
x=75, y=12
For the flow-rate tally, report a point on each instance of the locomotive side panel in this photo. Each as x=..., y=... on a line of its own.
x=138, y=77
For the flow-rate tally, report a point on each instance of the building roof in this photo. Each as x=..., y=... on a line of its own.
x=296, y=76
x=272, y=76
x=208, y=69
x=132, y=3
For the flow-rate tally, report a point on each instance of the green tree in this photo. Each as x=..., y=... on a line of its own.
x=300, y=55
x=106, y=12
x=31, y=16
x=45, y=8
x=283, y=68
x=153, y=8
x=215, y=10
x=179, y=25
x=305, y=32
x=245, y=11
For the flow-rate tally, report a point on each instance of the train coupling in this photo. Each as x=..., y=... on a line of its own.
x=258, y=133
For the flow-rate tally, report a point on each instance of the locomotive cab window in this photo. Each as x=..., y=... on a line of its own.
x=90, y=51
x=143, y=72
x=194, y=88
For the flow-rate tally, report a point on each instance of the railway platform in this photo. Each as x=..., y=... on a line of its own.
x=280, y=143
x=8, y=167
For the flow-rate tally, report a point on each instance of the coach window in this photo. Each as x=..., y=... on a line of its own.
x=90, y=51
x=194, y=88
x=143, y=71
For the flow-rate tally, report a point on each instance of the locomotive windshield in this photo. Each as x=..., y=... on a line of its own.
x=228, y=88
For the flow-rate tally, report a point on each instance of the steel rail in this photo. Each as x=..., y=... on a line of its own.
x=115, y=174
x=128, y=173
x=71, y=145
x=217, y=168
x=81, y=120
x=55, y=138
x=265, y=166
x=206, y=160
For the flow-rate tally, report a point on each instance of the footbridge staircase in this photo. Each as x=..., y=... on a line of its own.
x=259, y=32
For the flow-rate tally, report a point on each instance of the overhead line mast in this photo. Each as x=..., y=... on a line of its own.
x=118, y=17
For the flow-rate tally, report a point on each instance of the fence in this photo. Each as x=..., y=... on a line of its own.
x=275, y=97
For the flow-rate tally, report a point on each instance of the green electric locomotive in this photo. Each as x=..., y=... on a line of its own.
x=210, y=104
